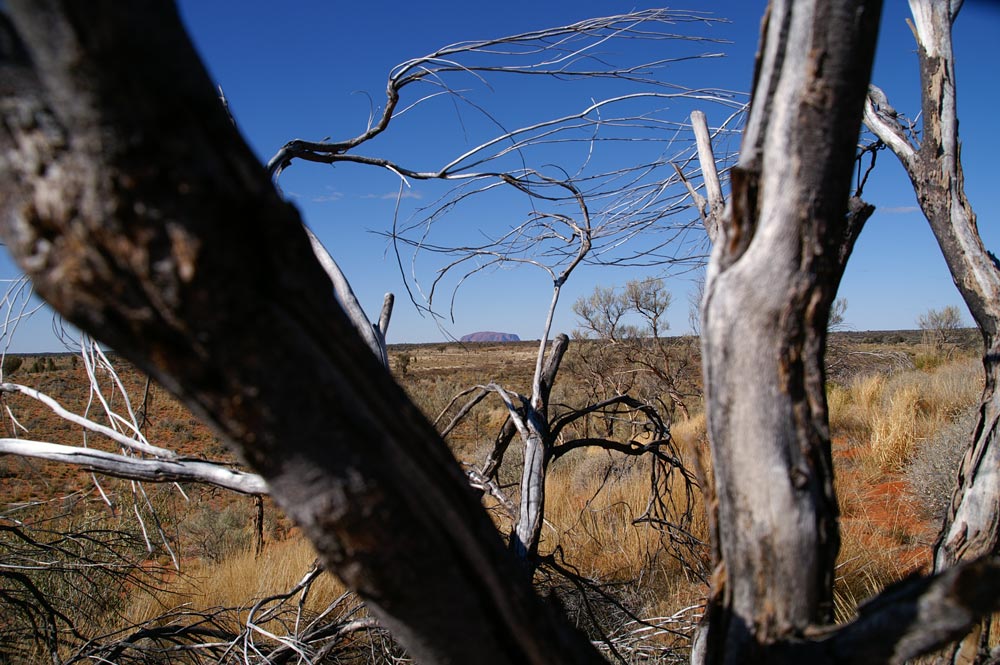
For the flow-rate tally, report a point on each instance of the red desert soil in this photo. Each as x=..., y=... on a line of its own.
x=881, y=513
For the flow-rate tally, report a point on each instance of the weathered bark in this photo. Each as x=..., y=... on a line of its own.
x=140, y=215
x=776, y=263
x=971, y=527
x=537, y=446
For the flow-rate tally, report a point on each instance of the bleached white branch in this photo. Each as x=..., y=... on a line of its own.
x=134, y=468
x=86, y=423
x=634, y=199
x=505, y=396
x=881, y=120
x=709, y=173
x=349, y=302
x=386, y=314
x=560, y=52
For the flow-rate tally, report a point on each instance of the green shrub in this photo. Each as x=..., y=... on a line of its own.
x=11, y=364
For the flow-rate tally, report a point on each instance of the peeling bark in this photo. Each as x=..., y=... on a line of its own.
x=776, y=264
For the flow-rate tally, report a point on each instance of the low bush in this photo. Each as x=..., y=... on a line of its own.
x=932, y=471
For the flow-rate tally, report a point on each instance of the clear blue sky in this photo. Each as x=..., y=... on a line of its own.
x=308, y=70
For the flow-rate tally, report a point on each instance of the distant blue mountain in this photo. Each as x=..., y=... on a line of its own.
x=487, y=336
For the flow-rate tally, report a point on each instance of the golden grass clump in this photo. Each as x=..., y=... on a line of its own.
x=592, y=507
x=890, y=416
x=239, y=581
x=879, y=424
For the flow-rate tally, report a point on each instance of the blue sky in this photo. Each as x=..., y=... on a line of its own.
x=313, y=69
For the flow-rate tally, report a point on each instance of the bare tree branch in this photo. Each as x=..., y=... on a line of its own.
x=908, y=619
x=564, y=53
x=373, y=334
x=135, y=468
x=709, y=173
x=137, y=443
x=884, y=122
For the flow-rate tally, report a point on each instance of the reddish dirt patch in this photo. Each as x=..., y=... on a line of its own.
x=885, y=519
x=882, y=530
x=842, y=449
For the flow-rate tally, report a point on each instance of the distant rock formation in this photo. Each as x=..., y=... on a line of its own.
x=490, y=337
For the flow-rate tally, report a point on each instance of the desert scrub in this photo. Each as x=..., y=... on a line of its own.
x=891, y=417
x=898, y=441
x=214, y=534
x=66, y=561
x=238, y=581
x=932, y=471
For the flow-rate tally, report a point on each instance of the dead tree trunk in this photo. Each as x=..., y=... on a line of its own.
x=537, y=451
x=776, y=264
x=972, y=525
x=140, y=215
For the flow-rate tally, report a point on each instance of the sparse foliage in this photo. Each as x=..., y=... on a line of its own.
x=403, y=363
x=11, y=364
x=939, y=325
x=838, y=314
x=63, y=562
x=931, y=472
x=630, y=353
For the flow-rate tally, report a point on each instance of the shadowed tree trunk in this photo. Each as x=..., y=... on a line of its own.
x=140, y=214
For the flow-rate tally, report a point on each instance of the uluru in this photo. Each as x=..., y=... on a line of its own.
x=487, y=336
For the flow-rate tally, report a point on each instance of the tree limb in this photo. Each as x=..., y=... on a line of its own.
x=116, y=436
x=883, y=121
x=908, y=619
x=136, y=468
x=710, y=175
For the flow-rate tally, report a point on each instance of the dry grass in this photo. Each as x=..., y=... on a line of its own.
x=881, y=425
x=593, y=503
x=239, y=581
x=219, y=612
x=590, y=512
x=888, y=416
x=882, y=541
